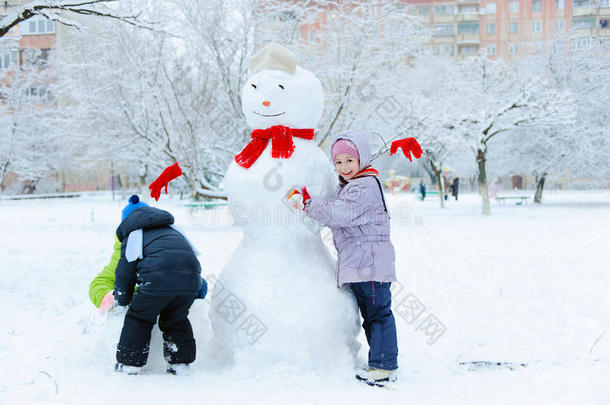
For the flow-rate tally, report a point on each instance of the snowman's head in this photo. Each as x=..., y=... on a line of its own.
x=291, y=97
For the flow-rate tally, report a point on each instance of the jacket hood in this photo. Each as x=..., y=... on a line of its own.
x=360, y=140
x=145, y=217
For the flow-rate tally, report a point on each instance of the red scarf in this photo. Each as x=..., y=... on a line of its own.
x=367, y=171
x=281, y=142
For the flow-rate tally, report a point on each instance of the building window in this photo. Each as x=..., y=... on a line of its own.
x=443, y=49
x=421, y=10
x=469, y=49
x=446, y=9
x=491, y=8
x=34, y=57
x=443, y=30
x=536, y=26
x=584, y=3
x=584, y=43
x=604, y=3
x=468, y=28
x=583, y=23
x=514, y=27
x=491, y=28
x=560, y=25
x=560, y=5
x=9, y=60
x=537, y=5
x=420, y=30
x=38, y=25
x=513, y=48
x=513, y=6
x=491, y=50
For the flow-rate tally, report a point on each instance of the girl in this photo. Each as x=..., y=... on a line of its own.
x=360, y=225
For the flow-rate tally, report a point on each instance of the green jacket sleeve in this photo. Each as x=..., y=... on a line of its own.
x=104, y=281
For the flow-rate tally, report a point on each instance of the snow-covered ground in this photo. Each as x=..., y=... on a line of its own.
x=530, y=284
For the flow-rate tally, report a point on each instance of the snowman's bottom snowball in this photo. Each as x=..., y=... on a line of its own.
x=271, y=309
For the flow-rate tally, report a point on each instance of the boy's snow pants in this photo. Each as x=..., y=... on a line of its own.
x=179, y=344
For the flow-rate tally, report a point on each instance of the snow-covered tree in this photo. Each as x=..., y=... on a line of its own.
x=29, y=146
x=432, y=112
x=62, y=12
x=134, y=99
x=493, y=99
x=582, y=149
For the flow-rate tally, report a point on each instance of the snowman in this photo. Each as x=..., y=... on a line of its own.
x=276, y=302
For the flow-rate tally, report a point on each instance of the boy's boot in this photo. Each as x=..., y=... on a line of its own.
x=179, y=369
x=124, y=368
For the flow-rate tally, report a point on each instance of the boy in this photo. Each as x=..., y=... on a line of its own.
x=162, y=262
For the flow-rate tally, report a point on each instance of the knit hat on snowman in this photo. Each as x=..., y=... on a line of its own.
x=273, y=57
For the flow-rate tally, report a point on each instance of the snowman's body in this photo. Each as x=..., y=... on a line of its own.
x=277, y=301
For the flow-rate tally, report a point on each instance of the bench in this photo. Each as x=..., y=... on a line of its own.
x=521, y=199
x=428, y=193
x=206, y=204
x=42, y=196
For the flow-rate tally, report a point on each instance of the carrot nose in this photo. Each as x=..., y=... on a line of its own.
x=266, y=103
x=295, y=191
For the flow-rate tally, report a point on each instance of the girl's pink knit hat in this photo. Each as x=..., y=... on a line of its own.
x=344, y=146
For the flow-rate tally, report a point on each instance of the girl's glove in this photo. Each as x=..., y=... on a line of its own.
x=408, y=145
x=107, y=302
x=169, y=174
x=297, y=198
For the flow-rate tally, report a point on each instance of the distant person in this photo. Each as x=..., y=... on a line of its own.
x=422, y=189
x=455, y=187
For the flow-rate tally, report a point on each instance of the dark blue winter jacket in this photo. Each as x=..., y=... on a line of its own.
x=168, y=266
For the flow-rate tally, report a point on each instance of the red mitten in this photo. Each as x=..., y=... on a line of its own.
x=408, y=145
x=169, y=174
x=305, y=194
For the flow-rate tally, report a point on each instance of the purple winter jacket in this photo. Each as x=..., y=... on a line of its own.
x=359, y=223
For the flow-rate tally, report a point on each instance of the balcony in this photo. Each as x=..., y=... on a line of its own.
x=468, y=39
x=469, y=16
x=584, y=11
x=444, y=18
x=443, y=40
x=423, y=19
x=468, y=1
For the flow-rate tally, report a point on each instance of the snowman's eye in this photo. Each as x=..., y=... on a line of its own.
x=253, y=85
x=281, y=86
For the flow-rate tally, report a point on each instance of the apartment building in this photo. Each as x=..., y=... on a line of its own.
x=503, y=28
